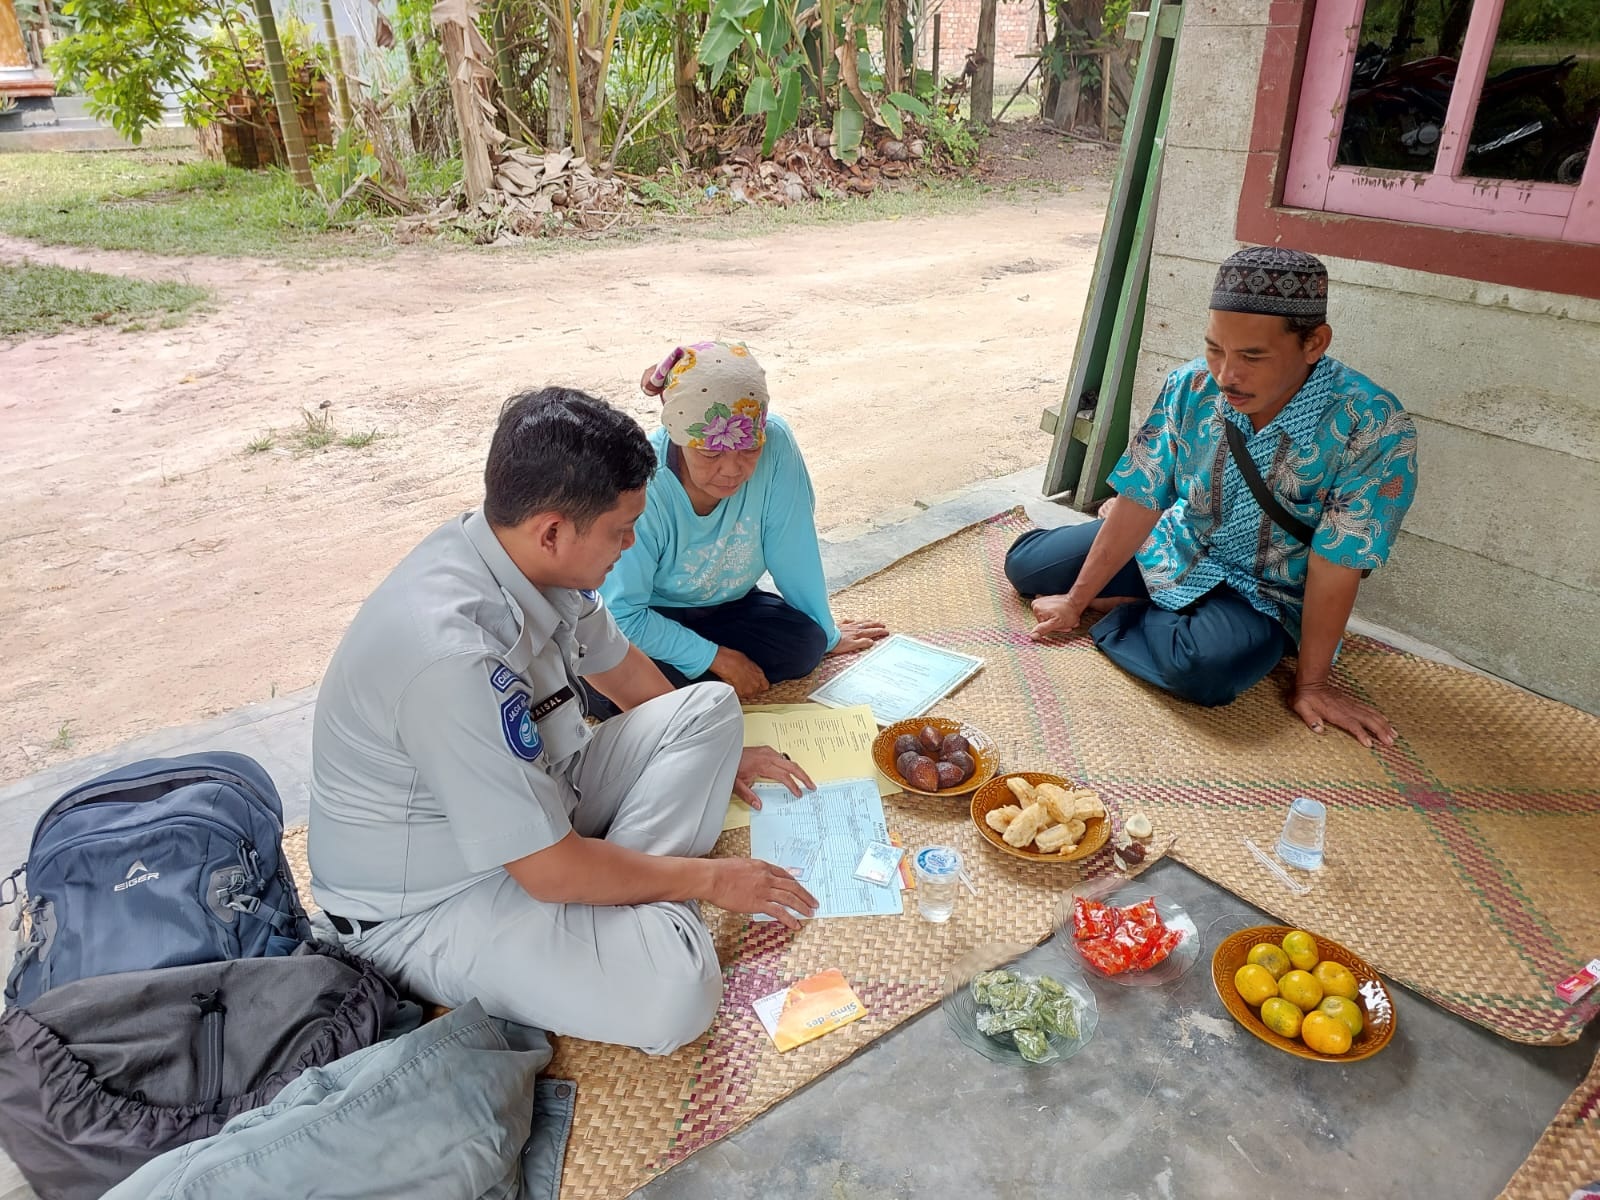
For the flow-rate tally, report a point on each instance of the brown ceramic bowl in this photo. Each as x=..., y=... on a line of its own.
x=1377, y=1005
x=985, y=757
x=995, y=794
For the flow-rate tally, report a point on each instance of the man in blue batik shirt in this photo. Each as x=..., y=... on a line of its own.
x=1204, y=590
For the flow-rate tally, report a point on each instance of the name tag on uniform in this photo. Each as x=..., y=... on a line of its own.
x=551, y=702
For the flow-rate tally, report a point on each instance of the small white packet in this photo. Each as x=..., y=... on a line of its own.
x=880, y=863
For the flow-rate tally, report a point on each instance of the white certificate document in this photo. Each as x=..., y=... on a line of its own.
x=900, y=678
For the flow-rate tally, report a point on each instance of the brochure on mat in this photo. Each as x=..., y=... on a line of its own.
x=809, y=1009
x=819, y=837
x=902, y=677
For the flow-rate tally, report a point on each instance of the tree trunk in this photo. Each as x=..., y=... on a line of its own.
x=1405, y=27
x=559, y=111
x=336, y=58
x=893, y=47
x=476, y=173
x=1454, y=27
x=504, y=75
x=982, y=104
x=686, y=72
x=294, y=145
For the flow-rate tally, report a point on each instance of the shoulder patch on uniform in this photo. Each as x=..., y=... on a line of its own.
x=522, y=735
x=502, y=677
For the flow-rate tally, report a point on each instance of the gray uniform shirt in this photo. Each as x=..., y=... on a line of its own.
x=448, y=726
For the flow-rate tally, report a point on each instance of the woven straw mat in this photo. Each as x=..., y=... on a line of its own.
x=1458, y=861
x=1567, y=1157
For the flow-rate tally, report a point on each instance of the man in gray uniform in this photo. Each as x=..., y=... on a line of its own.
x=470, y=833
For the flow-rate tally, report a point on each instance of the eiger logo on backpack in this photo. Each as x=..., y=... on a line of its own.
x=137, y=874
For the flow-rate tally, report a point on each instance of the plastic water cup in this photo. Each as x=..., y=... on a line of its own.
x=938, y=872
x=1300, y=844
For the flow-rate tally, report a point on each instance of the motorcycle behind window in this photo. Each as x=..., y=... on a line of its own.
x=1536, y=117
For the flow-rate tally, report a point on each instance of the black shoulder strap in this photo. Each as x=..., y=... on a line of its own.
x=1281, y=517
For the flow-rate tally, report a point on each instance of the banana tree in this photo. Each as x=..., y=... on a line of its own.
x=797, y=47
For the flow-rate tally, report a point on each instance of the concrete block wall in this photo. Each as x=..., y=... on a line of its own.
x=1499, y=561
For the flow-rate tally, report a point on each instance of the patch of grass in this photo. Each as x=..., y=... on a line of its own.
x=37, y=299
x=317, y=432
x=359, y=441
x=64, y=737
x=261, y=444
x=163, y=202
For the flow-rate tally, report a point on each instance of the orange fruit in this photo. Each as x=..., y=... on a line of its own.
x=1301, y=948
x=1283, y=1018
x=1325, y=1034
x=1336, y=979
x=1254, y=984
x=1345, y=1010
x=1271, y=957
x=1300, y=990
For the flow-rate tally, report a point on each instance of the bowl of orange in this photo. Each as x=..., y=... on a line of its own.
x=1305, y=994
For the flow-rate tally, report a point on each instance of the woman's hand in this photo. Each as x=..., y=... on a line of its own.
x=740, y=671
x=858, y=635
x=763, y=762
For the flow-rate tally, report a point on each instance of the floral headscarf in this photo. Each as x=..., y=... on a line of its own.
x=713, y=397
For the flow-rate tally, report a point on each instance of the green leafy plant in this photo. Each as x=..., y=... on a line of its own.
x=126, y=57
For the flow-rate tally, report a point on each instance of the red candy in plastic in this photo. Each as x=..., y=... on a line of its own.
x=1115, y=940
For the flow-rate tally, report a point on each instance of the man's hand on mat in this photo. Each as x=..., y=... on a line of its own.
x=739, y=671
x=748, y=885
x=858, y=635
x=1321, y=705
x=1055, y=614
x=763, y=762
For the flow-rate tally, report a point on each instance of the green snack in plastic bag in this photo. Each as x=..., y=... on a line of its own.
x=1025, y=1007
x=1033, y=1045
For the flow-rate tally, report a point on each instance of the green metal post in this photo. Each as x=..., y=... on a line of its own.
x=1108, y=336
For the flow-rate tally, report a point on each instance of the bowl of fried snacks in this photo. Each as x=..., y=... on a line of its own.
x=1020, y=1014
x=1040, y=817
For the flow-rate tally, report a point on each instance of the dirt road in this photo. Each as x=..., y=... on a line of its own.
x=155, y=570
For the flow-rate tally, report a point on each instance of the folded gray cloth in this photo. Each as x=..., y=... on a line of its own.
x=450, y=1111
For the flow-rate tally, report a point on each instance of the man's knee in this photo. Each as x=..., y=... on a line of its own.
x=1046, y=562
x=1213, y=675
x=713, y=707
x=676, y=1012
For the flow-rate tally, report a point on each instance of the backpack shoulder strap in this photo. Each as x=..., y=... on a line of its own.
x=1281, y=517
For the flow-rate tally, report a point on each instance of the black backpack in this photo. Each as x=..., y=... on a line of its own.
x=100, y=1076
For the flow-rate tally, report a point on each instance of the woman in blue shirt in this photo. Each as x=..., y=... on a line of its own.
x=730, y=502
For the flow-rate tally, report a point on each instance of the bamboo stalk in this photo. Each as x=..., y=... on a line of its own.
x=572, y=78
x=294, y=145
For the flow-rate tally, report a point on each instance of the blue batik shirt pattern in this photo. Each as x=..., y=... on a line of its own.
x=1341, y=456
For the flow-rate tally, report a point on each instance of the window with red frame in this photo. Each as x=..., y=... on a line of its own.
x=1469, y=114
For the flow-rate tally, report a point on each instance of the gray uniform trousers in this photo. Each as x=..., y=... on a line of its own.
x=656, y=779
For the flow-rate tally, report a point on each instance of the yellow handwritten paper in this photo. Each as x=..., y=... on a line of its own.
x=829, y=744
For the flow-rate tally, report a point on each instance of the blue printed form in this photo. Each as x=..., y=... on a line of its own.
x=819, y=837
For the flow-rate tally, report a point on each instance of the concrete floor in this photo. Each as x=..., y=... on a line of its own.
x=1170, y=1099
